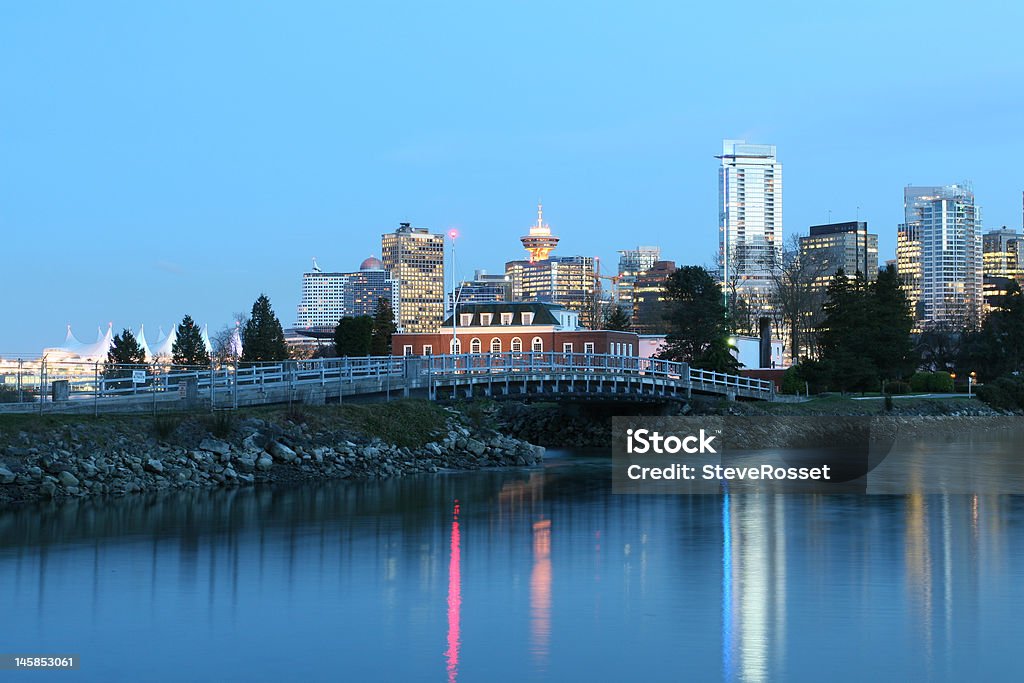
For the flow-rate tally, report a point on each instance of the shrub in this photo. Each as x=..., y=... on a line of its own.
x=932, y=382
x=996, y=397
x=792, y=383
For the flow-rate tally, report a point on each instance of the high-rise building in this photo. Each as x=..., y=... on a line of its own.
x=939, y=255
x=846, y=245
x=649, y=299
x=564, y=280
x=329, y=297
x=633, y=262
x=750, y=216
x=483, y=288
x=1001, y=255
x=415, y=258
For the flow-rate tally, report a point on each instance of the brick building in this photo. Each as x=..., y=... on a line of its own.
x=516, y=327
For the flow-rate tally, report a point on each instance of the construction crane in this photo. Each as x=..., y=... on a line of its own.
x=598, y=276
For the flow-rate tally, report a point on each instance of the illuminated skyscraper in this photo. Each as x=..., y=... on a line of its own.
x=749, y=216
x=846, y=245
x=633, y=262
x=415, y=258
x=329, y=297
x=939, y=255
x=540, y=242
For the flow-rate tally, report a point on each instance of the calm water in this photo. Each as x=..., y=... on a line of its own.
x=517, y=575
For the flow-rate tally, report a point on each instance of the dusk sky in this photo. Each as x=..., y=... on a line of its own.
x=158, y=159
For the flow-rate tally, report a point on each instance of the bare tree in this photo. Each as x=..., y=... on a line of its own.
x=799, y=281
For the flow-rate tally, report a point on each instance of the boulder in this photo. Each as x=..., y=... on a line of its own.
x=215, y=446
x=264, y=462
x=281, y=452
x=154, y=466
x=67, y=479
x=475, y=446
x=6, y=476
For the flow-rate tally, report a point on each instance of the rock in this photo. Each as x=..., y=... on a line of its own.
x=264, y=462
x=281, y=452
x=67, y=479
x=154, y=466
x=245, y=464
x=215, y=446
x=475, y=446
x=6, y=476
x=48, y=488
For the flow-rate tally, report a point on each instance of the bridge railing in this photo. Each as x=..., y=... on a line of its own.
x=33, y=381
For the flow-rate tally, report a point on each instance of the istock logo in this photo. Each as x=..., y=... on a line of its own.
x=642, y=441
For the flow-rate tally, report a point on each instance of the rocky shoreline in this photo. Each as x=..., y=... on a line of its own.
x=82, y=459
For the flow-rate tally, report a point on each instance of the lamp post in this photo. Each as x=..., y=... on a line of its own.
x=971, y=379
x=452, y=234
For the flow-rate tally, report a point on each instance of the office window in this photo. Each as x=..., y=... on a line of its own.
x=566, y=347
x=486, y=318
x=428, y=349
x=407, y=350
x=588, y=347
x=474, y=345
x=496, y=345
x=465, y=319
x=455, y=345
x=506, y=318
x=517, y=344
x=538, y=344
x=527, y=318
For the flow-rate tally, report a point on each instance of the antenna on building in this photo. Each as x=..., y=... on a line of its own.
x=316, y=266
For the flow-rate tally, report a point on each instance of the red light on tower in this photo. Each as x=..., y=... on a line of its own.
x=453, y=233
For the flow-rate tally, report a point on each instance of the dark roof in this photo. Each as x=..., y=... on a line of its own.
x=543, y=313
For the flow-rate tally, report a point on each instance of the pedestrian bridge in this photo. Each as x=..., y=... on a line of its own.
x=91, y=387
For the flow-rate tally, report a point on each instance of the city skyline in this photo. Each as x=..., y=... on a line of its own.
x=224, y=168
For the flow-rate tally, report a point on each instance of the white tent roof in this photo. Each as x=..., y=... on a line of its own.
x=140, y=336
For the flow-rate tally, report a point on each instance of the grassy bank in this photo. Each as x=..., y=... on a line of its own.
x=405, y=423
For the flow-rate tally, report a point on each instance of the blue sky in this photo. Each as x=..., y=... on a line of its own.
x=158, y=159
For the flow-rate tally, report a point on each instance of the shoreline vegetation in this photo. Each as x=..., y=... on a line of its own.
x=59, y=457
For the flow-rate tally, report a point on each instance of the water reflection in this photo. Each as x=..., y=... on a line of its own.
x=454, y=598
x=453, y=577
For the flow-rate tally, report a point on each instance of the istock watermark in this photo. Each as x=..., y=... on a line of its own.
x=817, y=454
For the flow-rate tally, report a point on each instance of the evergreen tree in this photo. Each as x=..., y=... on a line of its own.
x=188, y=347
x=698, y=334
x=997, y=349
x=263, y=337
x=892, y=322
x=353, y=336
x=618, y=319
x=383, y=328
x=124, y=350
x=846, y=335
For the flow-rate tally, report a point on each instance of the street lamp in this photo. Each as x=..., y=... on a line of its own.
x=971, y=379
x=452, y=234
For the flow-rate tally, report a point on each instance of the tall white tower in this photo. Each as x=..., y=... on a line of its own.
x=749, y=216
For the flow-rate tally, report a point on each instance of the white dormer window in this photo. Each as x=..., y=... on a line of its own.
x=506, y=318
x=486, y=318
x=527, y=318
x=465, y=319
